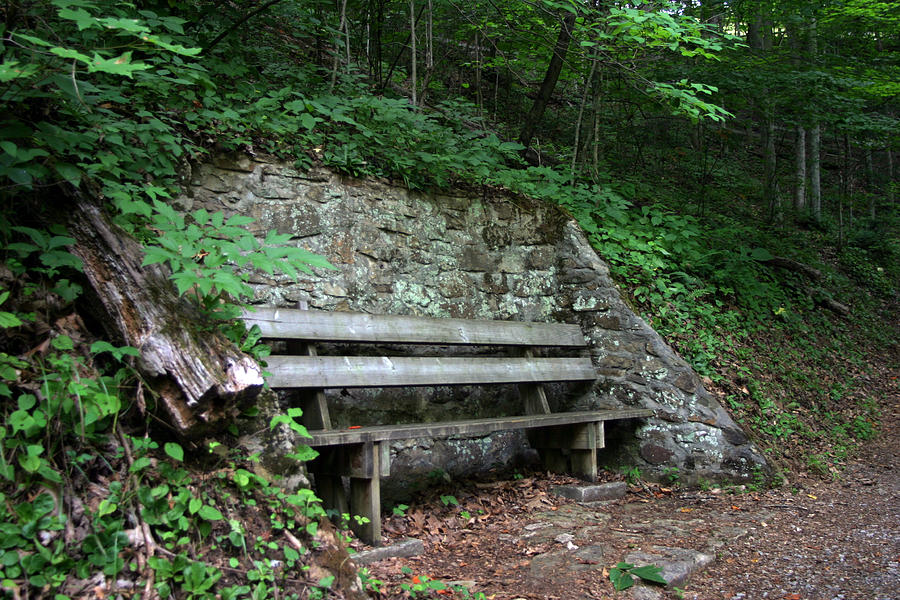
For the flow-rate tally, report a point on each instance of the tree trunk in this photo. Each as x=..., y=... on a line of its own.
x=479, y=97
x=550, y=79
x=376, y=17
x=890, y=177
x=770, y=192
x=815, y=140
x=336, y=60
x=412, y=47
x=800, y=174
x=759, y=39
x=871, y=186
x=796, y=40
x=200, y=376
x=578, y=122
x=815, y=171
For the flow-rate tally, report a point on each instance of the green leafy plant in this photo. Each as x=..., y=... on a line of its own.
x=623, y=574
x=632, y=474
x=671, y=475
x=197, y=248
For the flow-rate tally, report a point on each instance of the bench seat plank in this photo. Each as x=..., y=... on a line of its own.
x=324, y=326
x=384, y=371
x=378, y=433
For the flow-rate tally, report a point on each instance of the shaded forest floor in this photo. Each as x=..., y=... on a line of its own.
x=808, y=539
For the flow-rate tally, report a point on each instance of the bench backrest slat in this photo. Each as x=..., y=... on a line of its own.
x=325, y=326
x=383, y=371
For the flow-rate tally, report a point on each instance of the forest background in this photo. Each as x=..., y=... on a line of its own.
x=733, y=162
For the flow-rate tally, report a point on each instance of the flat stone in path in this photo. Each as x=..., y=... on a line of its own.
x=677, y=564
x=404, y=548
x=592, y=493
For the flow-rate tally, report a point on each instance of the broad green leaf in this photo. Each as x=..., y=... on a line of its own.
x=69, y=172
x=620, y=580
x=140, y=464
x=239, y=221
x=174, y=451
x=761, y=254
x=69, y=53
x=8, y=319
x=176, y=48
x=194, y=505
x=154, y=255
x=101, y=346
x=62, y=342
x=120, y=65
x=210, y=513
x=83, y=19
x=106, y=507
x=651, y=573
x=31, y=39
x=130, y=25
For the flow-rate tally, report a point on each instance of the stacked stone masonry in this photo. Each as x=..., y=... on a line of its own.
x=473, y=256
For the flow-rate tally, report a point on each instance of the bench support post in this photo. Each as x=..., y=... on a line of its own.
x=365, y=491
x=580, y=442
x=584, y=460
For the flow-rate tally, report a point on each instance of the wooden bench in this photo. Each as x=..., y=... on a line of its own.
x=567, y=441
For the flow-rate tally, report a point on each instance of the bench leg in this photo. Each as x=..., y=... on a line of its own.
x=330, y=489
x=365, y=492
x=584, y=457
x=326, y=469
x=365, y=501
x=577, y=443
x=584, y=463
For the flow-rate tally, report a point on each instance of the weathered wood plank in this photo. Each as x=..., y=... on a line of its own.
x=384, y=371
x=287, y=323
x=467, y=427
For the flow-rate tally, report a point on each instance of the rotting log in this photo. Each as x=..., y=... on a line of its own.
x=831, y=304
x=198, y=374
x=819, y=297
x=795, y=266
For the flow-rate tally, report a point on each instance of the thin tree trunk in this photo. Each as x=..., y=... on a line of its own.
x=595, y=143
x=800, y=174
x=429, y=38
x=587, y=86
x=429, y=55
x=871, y=185
x=412, y=46
x=479, y=97
x=815, y=140
x=890, y=177
x=346, y=33
x=759, y=39
x=770, y=192
x=815, y=171
x=375, y=43
x=336, y=59
x=550, y=79
x=795, y=34
x=215, y=42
